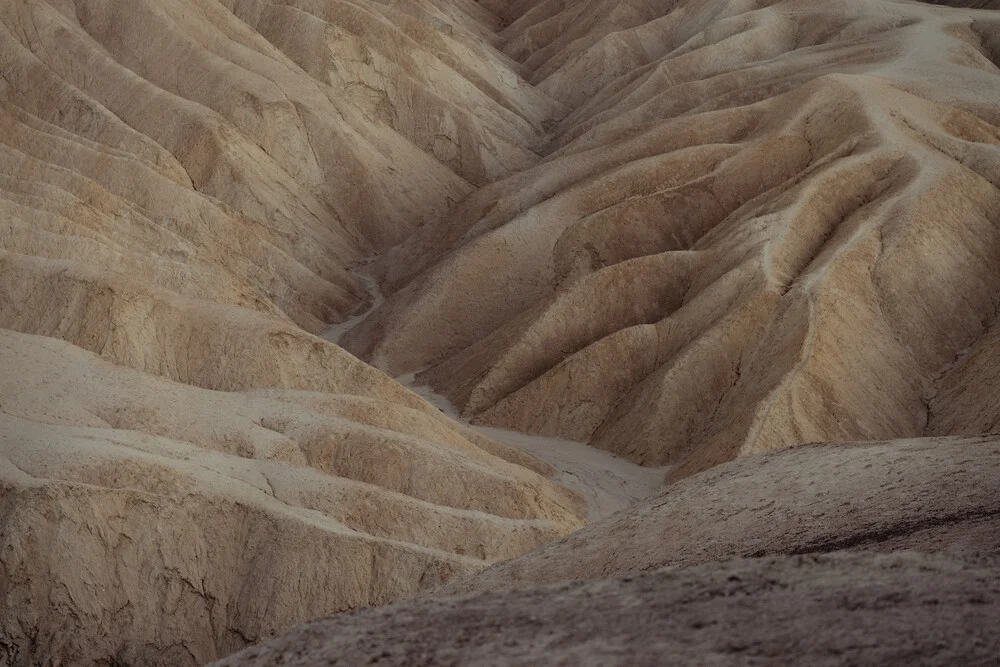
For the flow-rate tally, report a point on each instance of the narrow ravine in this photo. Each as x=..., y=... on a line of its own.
x=606, y=482
x=336, y=331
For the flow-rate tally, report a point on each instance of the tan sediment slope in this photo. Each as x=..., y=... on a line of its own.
x=741, y=563
x=185, y=185
x=680, y=231
x=760, y=224
x=930, y=495
x=157, y=523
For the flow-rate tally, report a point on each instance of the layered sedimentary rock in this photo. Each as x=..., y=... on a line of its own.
x=152, y=522
x=185, y=468
x=759, y=224
x=680, y=231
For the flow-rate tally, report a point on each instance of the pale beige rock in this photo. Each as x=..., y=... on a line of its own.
x=683, y=232
x=159, y=523
x=185, y=187
x=760, y=224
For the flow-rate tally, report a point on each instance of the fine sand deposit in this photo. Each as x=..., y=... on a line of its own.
x=720, y=276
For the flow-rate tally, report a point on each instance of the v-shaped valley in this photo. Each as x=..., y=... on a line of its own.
x=637, y=253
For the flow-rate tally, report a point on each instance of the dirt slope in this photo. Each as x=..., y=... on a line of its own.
x=760, y=224
x=152, y=522
x=659, y=581
x=683, y=232
x=185, y=186
x=924, y=495
x=857, y=609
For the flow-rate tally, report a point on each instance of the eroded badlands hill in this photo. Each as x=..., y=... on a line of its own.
x=742, y=564
x=185, y=185
x=680, y=230
x=760, y=224
x=692, y=573
x=159, y=523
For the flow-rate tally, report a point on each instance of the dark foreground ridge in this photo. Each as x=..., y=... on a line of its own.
x=842, y=609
